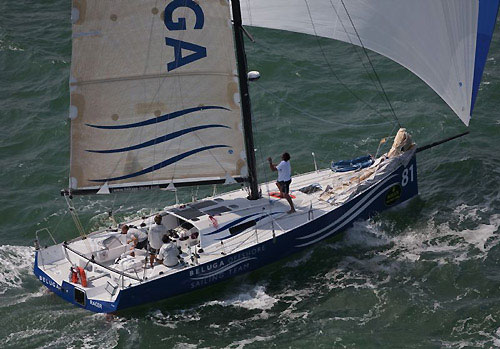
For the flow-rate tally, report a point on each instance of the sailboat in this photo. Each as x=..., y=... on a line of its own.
x=160, y=100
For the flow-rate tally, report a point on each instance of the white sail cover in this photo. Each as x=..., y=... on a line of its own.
x=444, y=42
x=154, y=94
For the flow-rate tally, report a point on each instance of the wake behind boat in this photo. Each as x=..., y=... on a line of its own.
x=160, y=99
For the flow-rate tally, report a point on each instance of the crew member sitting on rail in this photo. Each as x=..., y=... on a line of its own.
x=137, y=237
x=169, y=253
x=155, y=235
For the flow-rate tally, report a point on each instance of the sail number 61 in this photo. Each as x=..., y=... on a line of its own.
x=407, y=178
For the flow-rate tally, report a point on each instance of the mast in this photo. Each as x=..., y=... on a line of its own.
x=245, y=100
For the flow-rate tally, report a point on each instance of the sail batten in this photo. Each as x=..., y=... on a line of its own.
x=154, y=94
x=434, y=39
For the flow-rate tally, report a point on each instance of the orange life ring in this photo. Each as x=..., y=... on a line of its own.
x=276, y=194
x=83, y=277
x=74, y=275
x=215, y=224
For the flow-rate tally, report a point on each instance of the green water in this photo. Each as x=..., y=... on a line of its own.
x=423, y=275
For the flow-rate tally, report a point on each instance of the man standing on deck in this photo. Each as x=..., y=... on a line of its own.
x=155, y=236
x=284, y=177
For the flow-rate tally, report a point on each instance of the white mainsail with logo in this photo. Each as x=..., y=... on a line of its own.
x=154, y=94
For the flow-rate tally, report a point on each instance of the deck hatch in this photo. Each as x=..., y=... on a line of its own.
x=203, y=204
x=188, y=212
x=241, y=227
x=217, y=210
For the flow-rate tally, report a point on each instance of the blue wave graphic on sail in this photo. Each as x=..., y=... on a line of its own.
x=158, y=119
x=162, y=164
x=158, y=140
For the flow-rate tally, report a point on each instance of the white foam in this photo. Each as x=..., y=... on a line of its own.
x=463, y=211
x=256, y=298
x=366, y=234
x=170, y=320
x=473, y=328
x=241, y=344
x=9, y=47
x=185, y=346
x=16, y=263
x=362, y=233
x=293, y=298
x=96, y=331
x=342, y=278
x=446, y=243
x=22, y=336
x=479, y=236
x=8, y=301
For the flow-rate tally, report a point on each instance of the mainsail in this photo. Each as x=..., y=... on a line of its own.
x=154, y=94
x=444, y=42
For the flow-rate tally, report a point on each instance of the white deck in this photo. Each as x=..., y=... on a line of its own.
x=56, y=260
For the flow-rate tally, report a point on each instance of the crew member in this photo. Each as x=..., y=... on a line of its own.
x=169, y=253
x=155, y=235
x=137, y=237
x=284, y=178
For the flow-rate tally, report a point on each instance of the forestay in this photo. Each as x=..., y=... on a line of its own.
x=154, y=94
x=444, y=42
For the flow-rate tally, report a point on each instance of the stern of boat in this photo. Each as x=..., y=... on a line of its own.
x=52, y=269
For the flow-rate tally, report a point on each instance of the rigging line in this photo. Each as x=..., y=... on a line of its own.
x=249, y=7
x=282, y=100
x=389, y=136
x=371, y=64
x=159, y=85
x=330, y=67
x=197, y=136
x=156, y=198
x=181, y=94
x=353, y=46
x=163, y=78
x=77, y=221
x=260, y=151
x=60, y=221
x=150, y=40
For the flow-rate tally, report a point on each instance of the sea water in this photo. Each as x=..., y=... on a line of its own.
x=425, y=274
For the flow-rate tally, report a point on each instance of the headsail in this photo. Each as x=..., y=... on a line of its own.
x=444, y=42
x=154, y=94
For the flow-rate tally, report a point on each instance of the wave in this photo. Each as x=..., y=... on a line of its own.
x=16, y=263
x=255, y=298
x=9, y=46
x=242, y=343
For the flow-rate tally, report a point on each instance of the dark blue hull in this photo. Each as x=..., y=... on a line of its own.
x=396, y=188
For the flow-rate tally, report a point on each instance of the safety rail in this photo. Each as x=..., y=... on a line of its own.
x=37, y=241
x=90, y=260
